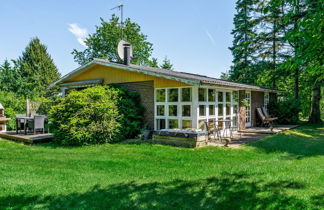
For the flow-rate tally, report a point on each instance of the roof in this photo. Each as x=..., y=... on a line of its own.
x=188, y=78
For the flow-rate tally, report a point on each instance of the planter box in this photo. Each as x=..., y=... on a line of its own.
x=180, y=138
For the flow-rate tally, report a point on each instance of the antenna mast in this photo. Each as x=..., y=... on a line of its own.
x=121, y=9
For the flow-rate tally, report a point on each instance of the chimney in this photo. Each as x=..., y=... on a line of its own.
x=127, y=54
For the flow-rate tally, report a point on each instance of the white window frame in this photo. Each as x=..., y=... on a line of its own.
x=179, y=104
x=266, y=100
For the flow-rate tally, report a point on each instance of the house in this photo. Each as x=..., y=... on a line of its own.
x=175, y=99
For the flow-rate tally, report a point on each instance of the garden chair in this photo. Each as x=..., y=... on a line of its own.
x=265, y=121
x=266, y=114
x=213, y=130
x=228, y=127
x=37, y=124
x=20, y=123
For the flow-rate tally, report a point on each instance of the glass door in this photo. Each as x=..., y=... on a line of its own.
x=248, y=109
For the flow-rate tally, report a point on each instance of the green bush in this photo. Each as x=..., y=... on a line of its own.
x=96, y=115
x=13, y=105
x=285, y=110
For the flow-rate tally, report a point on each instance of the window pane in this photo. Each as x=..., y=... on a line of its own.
x=228, y=97
x=160, y=124
x=220, y=97
x=186, y=110
x=211, y=95
x=160, y=95
x=211, y=110
x=228, y=109
x=186, y=124
x=235, y=96
x=173, y=95
x=235, y=122
x=173, y=124
x=202, y=110
x=202, y=94
x=186, y=94
x=202, y=125
x=160, y=110
x=173, y=110
x=220, y=109
x=235, y=109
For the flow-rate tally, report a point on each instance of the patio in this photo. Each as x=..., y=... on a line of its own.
x=251, y=134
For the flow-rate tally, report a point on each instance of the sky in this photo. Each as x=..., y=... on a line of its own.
x=194, y=35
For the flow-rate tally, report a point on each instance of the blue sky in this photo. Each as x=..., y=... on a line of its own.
x=194, y=35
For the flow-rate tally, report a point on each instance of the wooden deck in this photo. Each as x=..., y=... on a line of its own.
x=28, y=139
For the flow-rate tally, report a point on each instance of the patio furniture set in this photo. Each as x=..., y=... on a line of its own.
x=34, y=123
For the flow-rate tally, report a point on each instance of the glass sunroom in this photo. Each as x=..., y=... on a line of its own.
x=191, y=107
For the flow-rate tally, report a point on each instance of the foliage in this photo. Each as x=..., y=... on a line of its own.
x=96, y=115
x=285, y=110
x=277, y=44
x=13, y=104
x=103, y=43
x=279, y=172
x=167, y=64
x=10, y=79
x=36, y=69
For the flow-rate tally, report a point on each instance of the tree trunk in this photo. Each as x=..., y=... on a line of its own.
x=315, y=116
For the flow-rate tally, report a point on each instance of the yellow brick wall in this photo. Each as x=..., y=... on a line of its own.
x=112, y=75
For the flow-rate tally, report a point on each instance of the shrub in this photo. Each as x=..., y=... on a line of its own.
x=96, y=115
x=285, y=110
x=13, y=105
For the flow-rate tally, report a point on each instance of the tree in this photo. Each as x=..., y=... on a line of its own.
x=9, y=77
x=103, y=43
x=36, y=69
x=167, y=64
x=154, y=63
x=243, y=43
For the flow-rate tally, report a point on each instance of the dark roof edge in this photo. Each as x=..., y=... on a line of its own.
x=188, y=78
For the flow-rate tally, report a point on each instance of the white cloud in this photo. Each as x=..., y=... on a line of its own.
x=79, y=33
x=211, y=38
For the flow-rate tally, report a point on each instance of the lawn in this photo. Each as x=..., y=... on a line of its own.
x=284, y=171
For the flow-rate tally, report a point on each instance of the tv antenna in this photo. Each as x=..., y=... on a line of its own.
x=121, y=9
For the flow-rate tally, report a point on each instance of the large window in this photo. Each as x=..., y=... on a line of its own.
x=173, y=108
x=220, y=105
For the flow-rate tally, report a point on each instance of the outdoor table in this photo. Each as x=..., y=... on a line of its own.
x=26, y=119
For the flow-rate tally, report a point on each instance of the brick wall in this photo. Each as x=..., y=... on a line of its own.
x=146, y=92
x=257, y=100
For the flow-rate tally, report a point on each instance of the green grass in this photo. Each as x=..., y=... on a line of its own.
x=284, y=171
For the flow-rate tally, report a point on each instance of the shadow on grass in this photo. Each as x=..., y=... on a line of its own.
x=299, y=142
x=229, y=191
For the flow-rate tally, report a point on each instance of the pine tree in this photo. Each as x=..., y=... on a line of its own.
x=243, y=43
x=270, y=37
x=167, y=64
x=36, y=68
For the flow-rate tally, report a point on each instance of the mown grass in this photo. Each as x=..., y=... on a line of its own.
x=284, y=171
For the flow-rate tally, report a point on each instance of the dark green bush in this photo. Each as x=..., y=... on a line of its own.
x=285, y=110
x=96, y=115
